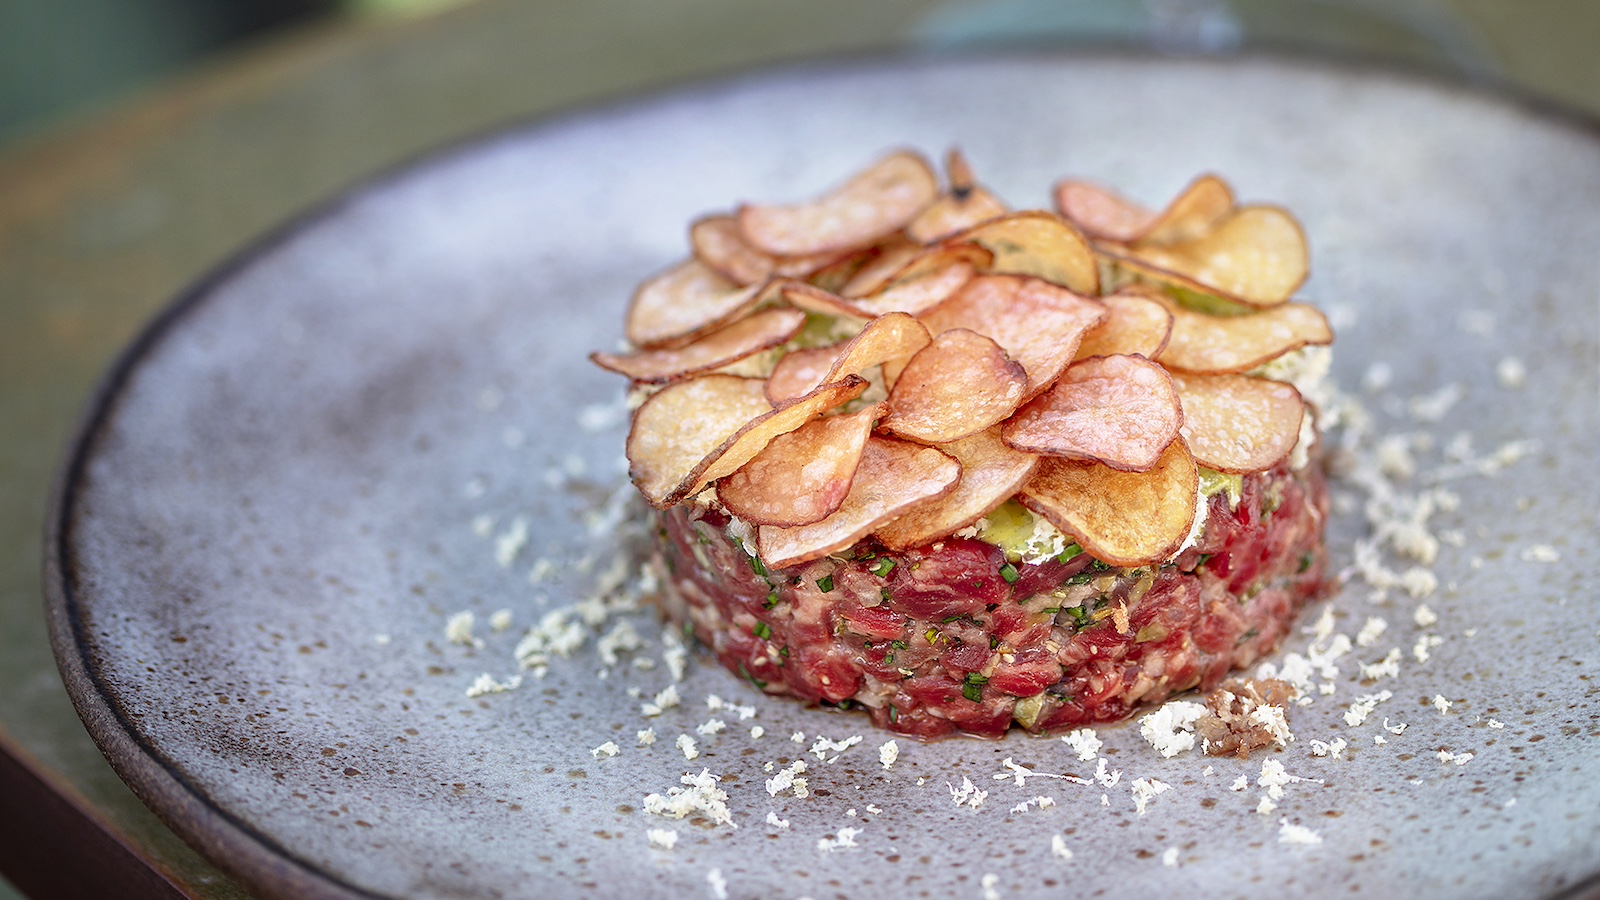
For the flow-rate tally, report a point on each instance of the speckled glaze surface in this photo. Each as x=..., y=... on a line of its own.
x=315, y=459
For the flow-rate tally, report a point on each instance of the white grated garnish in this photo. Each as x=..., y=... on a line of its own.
x=664, y=838
x=1460, y=759
x=1169, y=857
x=665, y=700
x=1424, y=616
x=1058, y=847
x=1363, y=707
x=1332, y=749
x=711, y=727
x=686, y=744
x=1084, y=741
x=609, y=748
x=646, y=737
x=1373, y=629
x=888, y=752
x=458, y=630
x=1146, y=789
x=1296, y=834
x=1543, y=553
x=846, y=837
x=824, y=746
x=719, y=885
x=775, y=822
x=968, y=794
x=1170, y=729
x=485, y=684
x=702, y=795
x=1441, y=704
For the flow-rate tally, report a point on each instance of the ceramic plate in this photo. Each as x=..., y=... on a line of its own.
x=383, y=417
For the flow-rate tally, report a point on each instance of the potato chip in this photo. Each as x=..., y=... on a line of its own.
x=1120, y=410
x=959, y=384
x=719, y=244
x=816, y=300
x=1038, y=324
x=892, y=477
x=749, y=441
x=683, y=303
x=1222, y=344
x=958, y=209
x=1193, y=213
x=1101, y=213
x=1256, y=255
x=870, y=206
x=1038, y=244
x=745, y=337
x=1134, y=324
x=1236, y=423
x=803, y=476
x=990, y=473
x=800, y=371
x=682, y=424
x=1122, y=518
x=919, y=292
x=891, y=256
x=894, y=336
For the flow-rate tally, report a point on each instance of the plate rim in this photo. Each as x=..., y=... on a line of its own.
x=245, y=853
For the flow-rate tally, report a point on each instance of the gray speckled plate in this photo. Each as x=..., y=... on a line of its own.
x=316, y=458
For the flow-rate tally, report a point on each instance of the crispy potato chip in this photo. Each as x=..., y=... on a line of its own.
x=803, y=476
x=1120, y=410
x=1134, y=324
x=1102, y=213
x=990, y=473
x=1236, y=423
x=892, y=256
x=1193, y=213
x=893, y=476
x=959, y=384
x=745, y=337
x=1122, y=518
x=811, y=298
x=681, y=425
x=1039, y=244
x=800, y=371
x=719, y=244
x=1223, y=344
x=890, y=337
x=693, y=432
x=683, y=303
x=873, y=204
x=958, y=209
x=1256, y=255
x=784, y=418
x=1037, y=323
x=919, y=292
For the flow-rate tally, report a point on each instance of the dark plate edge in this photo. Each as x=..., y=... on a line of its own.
x=253, y=858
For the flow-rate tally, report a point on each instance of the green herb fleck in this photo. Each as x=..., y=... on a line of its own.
x=884, y=595
x=1306, y=559
x=883, y=567
x=1009, y=573
x=772, y=599
x=757, y=566
x=762, y=630
x=1081, y=578
x=972, y=687
x=1245, y=637
x=1070, y=553
x=894, y=714
x=825, y=584
x=751, y=678
x=1080, y=616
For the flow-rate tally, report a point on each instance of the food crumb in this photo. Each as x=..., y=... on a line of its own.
x=1543, y=553
x=1424, y=617
x=1373, y=629
x=458, y=630
x=609, y=748
x=1495, y=723
x=686, y=744
x=1511, y=372
x=756, y=731
x=1296, y=834
x=845, y=837
x=775, y=822
x=1170, y=729
x=1332, y=749
x=989, y=882
x=719, y=885
x=1058, y=847
x=1460, y=759
x=1242, y=716
x=1084, y=741
x=500, y=620
x=1240, y=783
x=665, y=838
x=1145, y=790
x=1441, y=704
x=968, y=794
x=888, y=753
x=711, y=727
x=646, y=737
x=485, y=684
x=1170, y=857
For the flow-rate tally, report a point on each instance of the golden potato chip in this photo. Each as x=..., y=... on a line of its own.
x=1256, y=255
x=800, y=371
x=745, y=337
x=1122, y=518
x=719, y=244
x=1101, y=213
x=1202, y=342
x=1236, y=423
x=683, y=303
x=1192, y=214
x=919, y=292
x=893, y=476
x=891, y=256
x=870, y=206
x=1038, y=244
x=803, y=476
x=1120, y=410
x=959, y=384
x=958, y=209
x=681, y=425
x=786, y=417
x=1038, y=324
x=1134, y=324
x=693, y=432
x=893, y=336
x=990, y=473
x=811, y=298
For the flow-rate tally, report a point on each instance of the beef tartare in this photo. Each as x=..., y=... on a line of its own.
x=963, y=467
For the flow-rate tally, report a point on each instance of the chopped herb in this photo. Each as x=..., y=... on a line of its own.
x=948, y=619
x=762, y=630
x=1306, y=559
x=976, y=678
x=751, y=678
x=1081, y=578
x=1098, y=566
x=1080, y=616
x=972, y=688
x=701, y=535
x=1051, y=610
x=796, y=580
x=1204, y=558
x=1070, y=553
x=993, y=642
x=757, y=566
x=884, y=595
x=883, y=567
x=1009, y=573
x=894, y=714
x=772, y=599
x=784, y=651
x=932, y=634
x=825, y=584
x=1245, y=637
x=899, y=645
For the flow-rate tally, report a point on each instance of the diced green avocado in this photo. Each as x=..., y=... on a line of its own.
x=1212, y=482
x=1012, y=528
